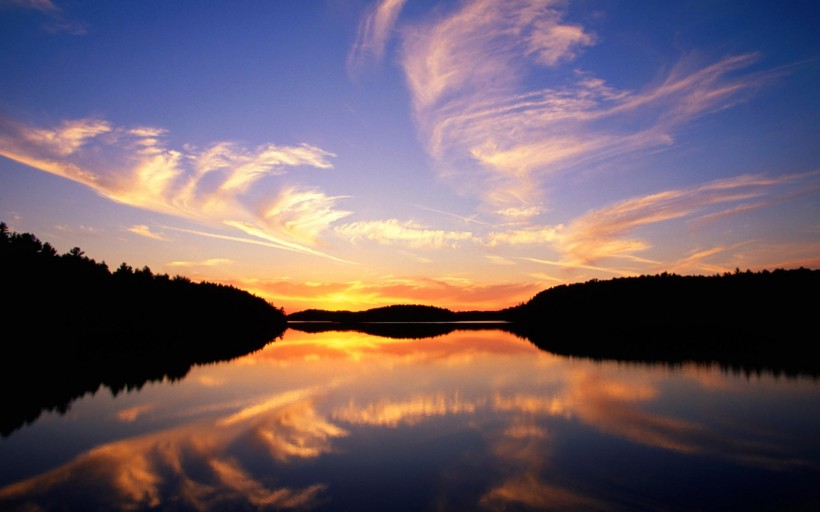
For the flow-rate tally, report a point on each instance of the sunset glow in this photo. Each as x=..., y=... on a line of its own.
x=465, y=154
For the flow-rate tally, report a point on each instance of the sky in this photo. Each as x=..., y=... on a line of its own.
x=348, y=154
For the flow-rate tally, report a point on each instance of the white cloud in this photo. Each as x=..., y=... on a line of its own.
x=135, y=166
x=301, y=213
x=536, y=235
x=498, y=138
x=396, y=232
x=374, y=32
x=607, y=232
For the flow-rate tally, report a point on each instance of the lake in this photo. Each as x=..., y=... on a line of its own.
x=470, y=420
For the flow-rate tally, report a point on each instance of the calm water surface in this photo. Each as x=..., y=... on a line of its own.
x=474, y=420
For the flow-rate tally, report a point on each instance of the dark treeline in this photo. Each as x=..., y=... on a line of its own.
x=397, y=330
x=72, y=326
x=752, y=321
x=396, y=313
x=743, y=298
x=760, y=321
x=397, y=321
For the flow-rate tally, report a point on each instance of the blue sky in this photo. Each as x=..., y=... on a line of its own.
x=348, y=154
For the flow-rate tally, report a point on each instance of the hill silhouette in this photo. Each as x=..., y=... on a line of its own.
x=72, y=326
x=395, y=313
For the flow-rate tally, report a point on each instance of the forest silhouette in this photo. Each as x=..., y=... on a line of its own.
x=72, y=326
x=761, y=321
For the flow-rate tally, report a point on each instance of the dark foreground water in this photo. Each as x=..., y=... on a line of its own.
x=474, y=420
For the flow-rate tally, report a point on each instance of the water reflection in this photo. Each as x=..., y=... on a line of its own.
x=468, y=420
x=189, y=467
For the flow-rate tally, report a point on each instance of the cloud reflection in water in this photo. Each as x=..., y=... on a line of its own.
x=192, y=466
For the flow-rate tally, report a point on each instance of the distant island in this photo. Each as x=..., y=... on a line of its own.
x=71, y=326
x=396, y=313
x=757, y=321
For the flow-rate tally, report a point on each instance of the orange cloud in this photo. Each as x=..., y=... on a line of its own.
x=132, y=413
x=155, y=470
x=143, y=230
x=388, y=413
x=529, y=491
x=604, y=233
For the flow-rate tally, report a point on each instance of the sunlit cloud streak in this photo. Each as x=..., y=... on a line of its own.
x=131, y=414
x=471, y=219
x=81, y=230
x=605, y=232
x=537, y=235
x=271, y=403
x=268, y=241
x=301, y=213
x=466, y=73
x=373, y=34
x=134, y=166
x=500, y=260
x=528, y=490
x=388, y=413
x=211, y=262
x=143, y=230
x=768, y=255
x=57, y=22
x=409, y=233
x=575, y=266
x=700, y=259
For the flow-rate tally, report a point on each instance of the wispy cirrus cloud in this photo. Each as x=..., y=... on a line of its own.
x=373, y=34
x=569, y=265
x=535, y=235
x=46, y=6
x=608, y=232
x=57, y=22
x=468, y=74
x=210, y=262
x=408, y=233
x=700, y=259
x=477, y=50
x=144, y=230
x=135, y=166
